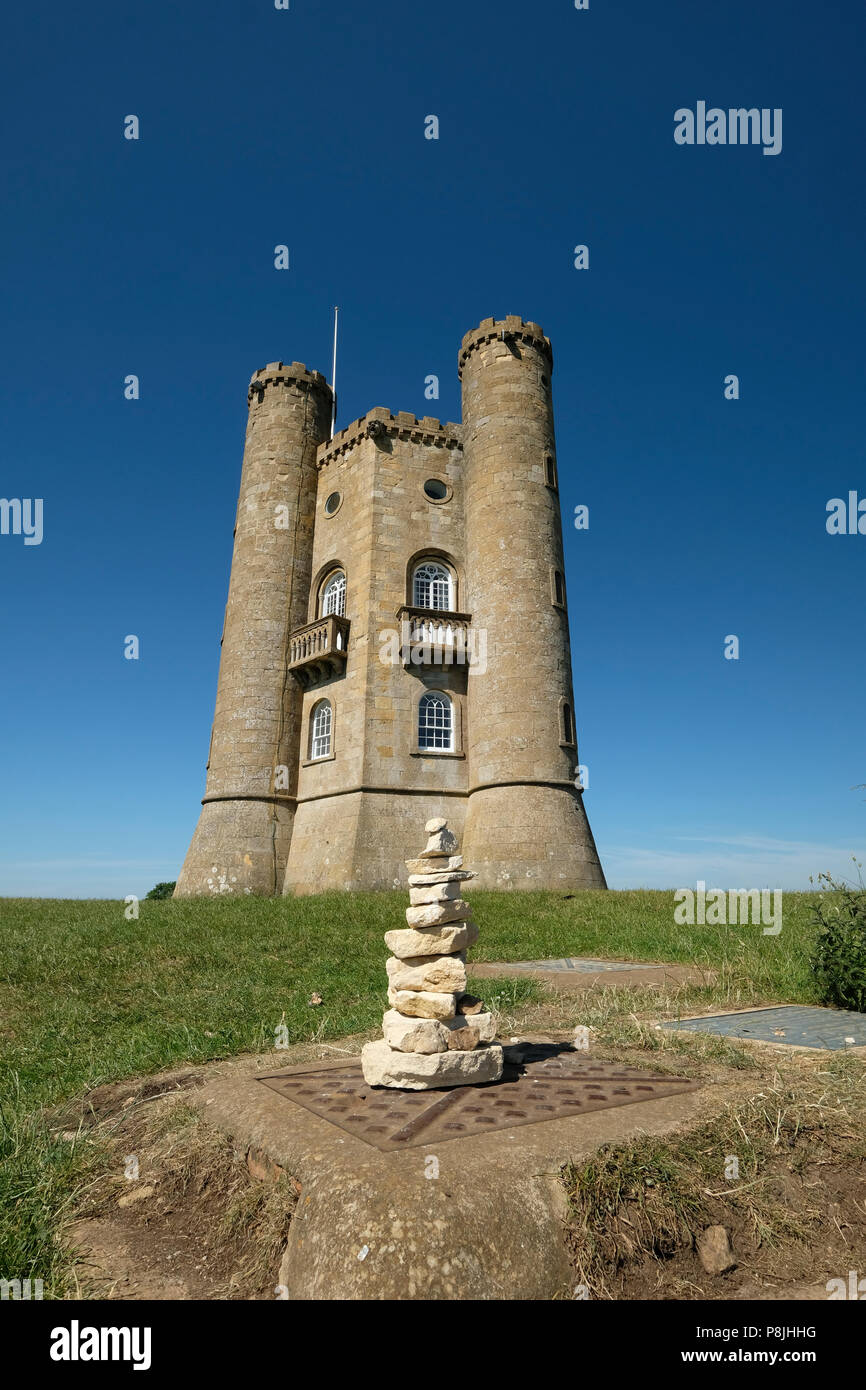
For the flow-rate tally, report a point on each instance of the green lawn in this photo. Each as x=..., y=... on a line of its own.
x=87, y=997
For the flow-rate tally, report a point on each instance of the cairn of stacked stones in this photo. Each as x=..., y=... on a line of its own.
x=435, y=1034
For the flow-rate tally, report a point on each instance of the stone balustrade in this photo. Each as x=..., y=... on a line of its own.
x=319, y=649
x=432, y=637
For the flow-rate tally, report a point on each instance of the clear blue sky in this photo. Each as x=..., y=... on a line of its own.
x=306, y=127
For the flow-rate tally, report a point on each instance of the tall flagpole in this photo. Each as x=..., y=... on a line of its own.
x=334, y=373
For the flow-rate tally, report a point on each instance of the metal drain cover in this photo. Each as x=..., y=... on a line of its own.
x=547, y=1083
x=787, y=1024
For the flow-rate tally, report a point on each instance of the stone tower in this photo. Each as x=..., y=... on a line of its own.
x=396, y=649
x=524, y=814
x=242, y=838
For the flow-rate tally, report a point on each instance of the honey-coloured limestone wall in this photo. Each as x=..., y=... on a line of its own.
x=525, y=822
x=358, y=811
x=242, y=839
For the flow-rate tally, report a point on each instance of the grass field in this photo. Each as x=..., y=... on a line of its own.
x=87, y=997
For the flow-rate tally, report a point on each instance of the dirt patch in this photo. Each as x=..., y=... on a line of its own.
x=114, y=1099
x=782, y=1170
x=179, y=1213
x=826, y=1204
x=105, y=1101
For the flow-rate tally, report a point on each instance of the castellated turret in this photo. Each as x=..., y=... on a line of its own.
x=525, y=820
x=396, y=645
x=242, y=839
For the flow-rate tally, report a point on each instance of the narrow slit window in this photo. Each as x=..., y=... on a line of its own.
x=567, y=724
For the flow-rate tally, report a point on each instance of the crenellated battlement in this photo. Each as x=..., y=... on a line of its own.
x=295, y=373
x=345, y=713
x=508, y=329
x=379, y=422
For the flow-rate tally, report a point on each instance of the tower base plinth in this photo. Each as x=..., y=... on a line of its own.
x=238, y=847
x=531, y=836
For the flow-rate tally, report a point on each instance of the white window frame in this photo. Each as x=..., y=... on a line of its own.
x=433, y=582
x=321, y=730
x=334, y=595
x=442, y=730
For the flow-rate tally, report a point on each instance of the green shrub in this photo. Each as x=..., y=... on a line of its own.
x=162, y=890
x=839, y=953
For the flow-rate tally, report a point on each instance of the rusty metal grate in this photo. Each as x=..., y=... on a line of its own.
x=546, y=1082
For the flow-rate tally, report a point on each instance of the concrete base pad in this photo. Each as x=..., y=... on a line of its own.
x=469, y=1218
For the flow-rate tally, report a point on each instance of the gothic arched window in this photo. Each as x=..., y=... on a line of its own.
x=435, y=722
x=431, y=586
x=334, y=595
x=320, y=730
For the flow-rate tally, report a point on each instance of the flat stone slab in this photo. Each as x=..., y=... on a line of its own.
x=586, y=965
x=539, y=1083
x=577, y=973
x=787, y=1025
x=454, y=1215
x=387, y=1068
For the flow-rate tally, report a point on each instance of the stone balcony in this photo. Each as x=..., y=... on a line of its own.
x=318, y=650
x=433, y=637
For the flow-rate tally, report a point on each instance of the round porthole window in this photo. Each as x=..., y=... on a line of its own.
x=333, y=503
x=436, y=490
